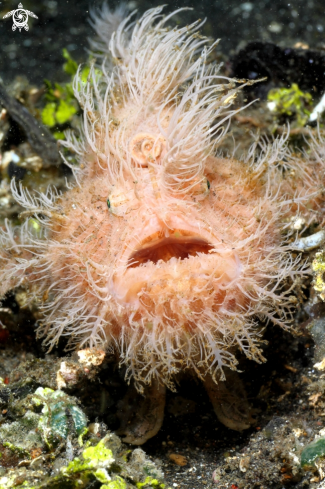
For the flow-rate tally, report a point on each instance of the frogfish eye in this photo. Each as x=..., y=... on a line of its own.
x=201, y=189
x=121, y=200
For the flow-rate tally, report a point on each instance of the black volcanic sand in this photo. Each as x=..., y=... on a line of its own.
x=64, y=24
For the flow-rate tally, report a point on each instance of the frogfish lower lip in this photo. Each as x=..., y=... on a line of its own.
x=177, y=245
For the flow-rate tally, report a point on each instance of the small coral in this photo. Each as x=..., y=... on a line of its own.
x=59, y=418
x=59, y=413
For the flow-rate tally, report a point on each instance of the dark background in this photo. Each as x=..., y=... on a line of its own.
x=37, y=54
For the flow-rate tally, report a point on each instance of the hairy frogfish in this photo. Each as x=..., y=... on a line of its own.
x=162, y=249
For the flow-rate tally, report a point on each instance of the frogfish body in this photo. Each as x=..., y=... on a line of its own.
x=160, y=250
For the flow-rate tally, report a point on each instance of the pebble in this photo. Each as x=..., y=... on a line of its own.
x=178, y=459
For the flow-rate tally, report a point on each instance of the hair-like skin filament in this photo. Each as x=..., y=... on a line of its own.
x=160, y=250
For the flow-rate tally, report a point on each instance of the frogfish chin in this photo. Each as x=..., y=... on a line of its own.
x=160, y=250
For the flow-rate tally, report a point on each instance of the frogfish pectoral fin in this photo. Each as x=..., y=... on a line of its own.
x=142, y=415
x=229, y=401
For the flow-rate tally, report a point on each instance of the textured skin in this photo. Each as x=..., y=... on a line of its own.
x=191, y=250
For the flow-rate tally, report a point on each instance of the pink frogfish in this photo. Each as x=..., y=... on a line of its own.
x=162, y=250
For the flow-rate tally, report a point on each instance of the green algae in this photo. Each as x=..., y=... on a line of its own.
x=291, y=103
x=70, y=66
x=81, y=436
x=312, y=452
x=150, y=482
x=96, y=463
x=119, y=483
x=16, y=449
x=61, y=103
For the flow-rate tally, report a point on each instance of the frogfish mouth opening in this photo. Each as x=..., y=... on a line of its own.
x=174, y=270
x=176, y=245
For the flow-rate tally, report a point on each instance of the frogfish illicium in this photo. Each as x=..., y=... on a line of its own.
x=160, y=250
